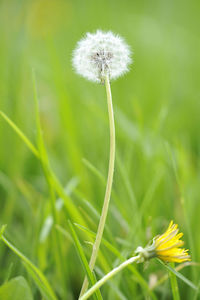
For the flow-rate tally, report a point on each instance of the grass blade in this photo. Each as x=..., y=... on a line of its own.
x=42, y=282
x=178, y=268
x=24, y=138
x=44, y=292
x=197, y=292
x=94, y=170
x=179, y=275
x=59, y=259
x=174, y=285
x=84, y=261
x=70, y=207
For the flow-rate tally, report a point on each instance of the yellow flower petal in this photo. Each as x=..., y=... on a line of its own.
x=167, y=245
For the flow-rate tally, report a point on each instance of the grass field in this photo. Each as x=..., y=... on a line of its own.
x=58, y=151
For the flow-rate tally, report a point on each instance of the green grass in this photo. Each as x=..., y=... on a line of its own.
x=61, y=150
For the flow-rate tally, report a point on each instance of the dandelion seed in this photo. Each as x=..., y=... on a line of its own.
x=166, y=247
x=101, y=53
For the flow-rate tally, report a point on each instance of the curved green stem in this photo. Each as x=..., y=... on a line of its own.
x=108, y=186
x=109, y=276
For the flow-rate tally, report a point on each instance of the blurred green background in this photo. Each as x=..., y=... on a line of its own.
x=157, y=111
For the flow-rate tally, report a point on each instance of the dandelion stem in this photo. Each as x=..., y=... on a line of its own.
x=109, y=276
x=108, y=186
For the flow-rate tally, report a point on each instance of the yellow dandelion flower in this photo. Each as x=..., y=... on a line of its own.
x=166, y=247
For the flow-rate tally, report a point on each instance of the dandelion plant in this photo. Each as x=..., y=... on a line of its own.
x=101, y=57
x=165, y=247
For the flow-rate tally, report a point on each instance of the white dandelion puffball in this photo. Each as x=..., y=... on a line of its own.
x=101, y=53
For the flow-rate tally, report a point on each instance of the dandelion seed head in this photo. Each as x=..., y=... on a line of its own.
x=101, y=53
